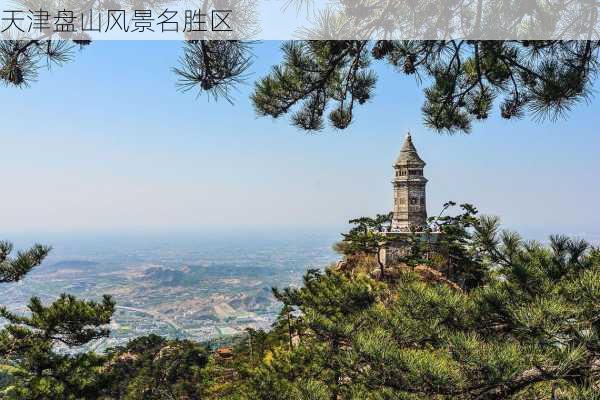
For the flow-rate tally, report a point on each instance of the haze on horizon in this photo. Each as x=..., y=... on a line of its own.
x=106, y=143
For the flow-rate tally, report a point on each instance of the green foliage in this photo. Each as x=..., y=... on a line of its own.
x=329, y=306
x=28, y=345
x=67, y=320
x=367, y=236
x=20, y=60
x=313, y=74
x=544, y=78
x=41, y=356
x=14, y=269
x=151, y=367
x=215, y=66
x=528, y=330
x=458, y=244
x=450, y=243
x=513, y=320
x=541, y=78
x=466, y=78
x=32, y=366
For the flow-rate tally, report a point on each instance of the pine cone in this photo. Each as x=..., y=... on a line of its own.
x=409, y=64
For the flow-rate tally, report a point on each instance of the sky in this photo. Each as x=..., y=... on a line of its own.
x=106, y=143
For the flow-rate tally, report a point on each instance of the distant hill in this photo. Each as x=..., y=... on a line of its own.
x=72, y=264
x=194, y=274
x=253, y=301
x=168, y=277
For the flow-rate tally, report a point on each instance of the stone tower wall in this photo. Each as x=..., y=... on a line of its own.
x=410, y=203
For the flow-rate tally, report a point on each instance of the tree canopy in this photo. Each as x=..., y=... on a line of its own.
x=543, y=79
x=318, y=80
x=14, y=269
x=528, y=330
x=32, y=364
x=490, y=316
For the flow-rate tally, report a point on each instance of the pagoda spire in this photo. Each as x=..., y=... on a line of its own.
x=408, y=154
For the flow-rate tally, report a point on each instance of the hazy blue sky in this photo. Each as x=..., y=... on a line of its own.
x=106, y=143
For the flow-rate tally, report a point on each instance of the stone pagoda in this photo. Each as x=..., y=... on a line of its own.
x=410, y=205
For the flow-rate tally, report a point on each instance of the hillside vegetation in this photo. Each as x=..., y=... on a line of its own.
x=487, y=315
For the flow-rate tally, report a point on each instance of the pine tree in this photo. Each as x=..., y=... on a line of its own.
x=319, y=79
x=14, y=269
x=529, y=329
x=541, y=78
x=367, y=237
x=151, y=367
x=28, y=344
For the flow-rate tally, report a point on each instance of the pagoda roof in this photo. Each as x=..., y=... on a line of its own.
x=408, y=154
